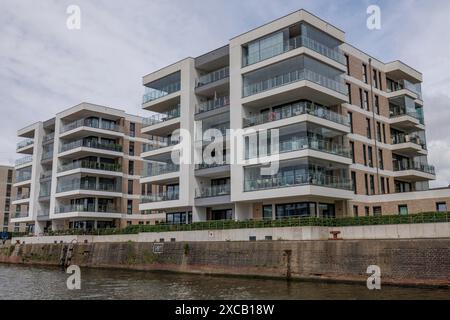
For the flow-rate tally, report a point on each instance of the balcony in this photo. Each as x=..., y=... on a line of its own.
x=312, y=143
x=160, y=197
x=91, y=165
x=21, y=215
x=413, y=166
x=48, y=138
x=216, y=81
x=162, y=117
x=91, y=123
x=292, y=77
x=159, y=144
x=213, y=191
x=291, y=44
x=408, y=144
x=47, y=155
x=23, y=146
x=296, y=109
x=93, y=144
x=46, y=175
x=214, y=104
x=91, y=208
x=398, y=86
x=310, y=178
x=88, y=186
x=23, y=176
x=154, y=169
x=24, y=161
x=152, y=94
x=21, y=196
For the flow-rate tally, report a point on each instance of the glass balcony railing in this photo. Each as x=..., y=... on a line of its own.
x=303, y=143
x=407, y=138
x=25, y=143
x=94, y=144
x=90, y=186
x=154, y=94
x=291, y=77
x=47, y=155
x=91, y=123
x=413, y=165
x=291, y=44
x=20, y=215
x=21, y=196
x=312, y=178
x=296, y=109
x=23, y=176
x=159, y=197
x=398, y=112
x=213, y=191
x=393, y=86
x=153, y=170
x=203, y=166
x=214, y=76
x=84, y=164
x=24, y=160
x=86, y=208
x=49, y=137
x=46, y=174
x=213, y=104
x=162, y=117
x=159, y=144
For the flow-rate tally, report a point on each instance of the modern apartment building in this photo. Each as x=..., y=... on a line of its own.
x=7, y=195
x=81, y=170
x=351, y=130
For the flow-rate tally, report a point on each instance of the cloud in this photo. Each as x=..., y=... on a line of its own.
x=47, y=68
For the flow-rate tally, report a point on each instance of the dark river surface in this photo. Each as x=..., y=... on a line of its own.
x=24, y=282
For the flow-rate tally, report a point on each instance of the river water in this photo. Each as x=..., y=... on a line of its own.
x=24, y=282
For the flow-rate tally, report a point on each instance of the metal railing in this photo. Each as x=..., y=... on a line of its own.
x=296, y=109
x=24, y=160
x=291, y=44
x=159, y=197
x=315, y=179
x=213, y=191
x=291, y=77
x=154, y=94
x=432, y=217
x=214, y=76
x=162, y=117
x=25, y=143
x=92, y=123
x=213, y=104
x=94, y=144
x=85, y=164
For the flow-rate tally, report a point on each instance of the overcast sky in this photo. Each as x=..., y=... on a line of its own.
x=46, y=68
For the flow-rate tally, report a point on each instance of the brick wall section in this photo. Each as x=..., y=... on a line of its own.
x=412, y=262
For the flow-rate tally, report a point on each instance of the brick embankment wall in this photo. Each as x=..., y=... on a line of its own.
x=403, y=262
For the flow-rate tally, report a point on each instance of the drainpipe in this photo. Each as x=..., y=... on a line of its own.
x=374, y=125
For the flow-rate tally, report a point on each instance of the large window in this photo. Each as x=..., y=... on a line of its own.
x=179, y=218
x=302, y=209
x=267, y=212
x=403, y=210
x=327, y=210
x=441, y=207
